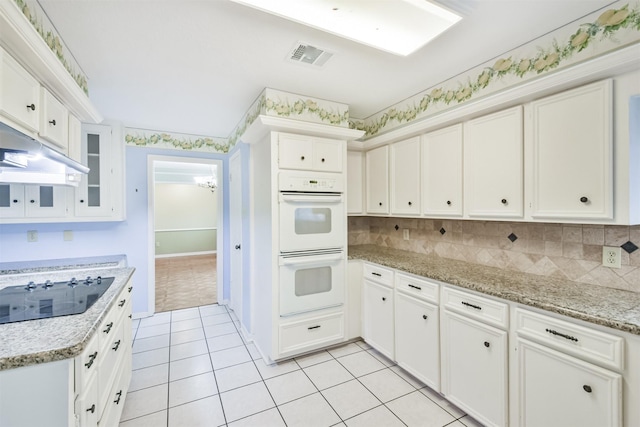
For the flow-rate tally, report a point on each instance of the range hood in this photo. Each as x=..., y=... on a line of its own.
x=25, y=160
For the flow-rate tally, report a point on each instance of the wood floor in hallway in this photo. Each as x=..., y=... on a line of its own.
x=185, y=281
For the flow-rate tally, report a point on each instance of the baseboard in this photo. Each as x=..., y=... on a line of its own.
x=186, y=254
x=140, y=315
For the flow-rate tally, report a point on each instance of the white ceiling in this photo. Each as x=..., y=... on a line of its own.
x=196, y=66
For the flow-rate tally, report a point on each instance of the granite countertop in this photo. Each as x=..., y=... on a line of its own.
x=46, y=340
x=613, y=308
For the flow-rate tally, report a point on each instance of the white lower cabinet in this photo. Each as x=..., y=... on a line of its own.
x=377, y=317
x=86, y=391
x=474, y=368
x=417, y=333
x=557, y=390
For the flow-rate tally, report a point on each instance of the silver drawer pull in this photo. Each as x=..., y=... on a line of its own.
x=414, y=286
x=560, y=334
x=314, y=327
x=477, y=307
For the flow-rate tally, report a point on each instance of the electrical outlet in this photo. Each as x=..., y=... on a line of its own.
x=405, y=234
x=67, y=235
x=611, y=256
x=32, y=235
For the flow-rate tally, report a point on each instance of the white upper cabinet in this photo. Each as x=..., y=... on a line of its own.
x=493, y=165
x=355, y=175
x=309, y=153
x=377, y=180
x=570, y=154
x=442, y=172
x=19, y=95
x=100, y=194
x=54, y=120
x=405, y=177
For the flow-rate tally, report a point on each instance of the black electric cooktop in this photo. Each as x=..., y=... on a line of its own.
x=50, y=299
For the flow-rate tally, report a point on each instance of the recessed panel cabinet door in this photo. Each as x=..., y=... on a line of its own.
x=474, y=368
x=571, y=149
x=493, y=165
x=295, y=152
x=377, y=179
x=442, y=172
x=328, y=155
x=355, y=177
x=93, y=196
x=377, y=318
x=418, y=339
x=405, y=177
x=560, y=390
x=19, y=94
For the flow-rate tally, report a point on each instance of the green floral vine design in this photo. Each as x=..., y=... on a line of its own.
x=54, y=43
x=247, y=120
x=301, y=106
x=607, y=24
x=180, y=143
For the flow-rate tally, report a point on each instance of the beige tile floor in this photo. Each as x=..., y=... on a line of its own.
x=185, y=282
x=192, y=368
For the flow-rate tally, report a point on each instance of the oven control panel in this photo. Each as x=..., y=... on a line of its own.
x=311, y=182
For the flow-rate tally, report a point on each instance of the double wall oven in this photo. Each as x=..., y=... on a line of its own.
x=311, y=241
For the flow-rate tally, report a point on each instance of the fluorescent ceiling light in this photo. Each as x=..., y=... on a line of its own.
x=397, y=26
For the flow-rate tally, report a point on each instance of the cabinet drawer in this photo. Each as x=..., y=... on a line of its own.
x=419, y=288
x=108, y=370
x=87, y=363
x=481, y=308
x=378, y=274
x=598, y=347
x=311, y=333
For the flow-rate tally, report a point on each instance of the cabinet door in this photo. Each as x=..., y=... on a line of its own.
x=405, y=177
x=19, y=94
x=560, y=390
x=295, y=152
x=474, y=368
x=377, y=317
x=442, y=172
x=93, y=196
x=11, y=200
x=75, y=139
x=328, y=155
x=86, y=404
x=355, y=179
x=377, y=180
x=417, y=330
x=54, y=119
x=571, y=154
x=45, y=201
x=493, y=165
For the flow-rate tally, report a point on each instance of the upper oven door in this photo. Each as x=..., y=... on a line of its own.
x=311, y=221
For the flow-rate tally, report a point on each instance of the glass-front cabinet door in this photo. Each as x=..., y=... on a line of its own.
x=11, y=201
x=93, y=197
x=45, y=201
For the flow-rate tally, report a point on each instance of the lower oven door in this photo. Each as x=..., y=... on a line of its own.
x=311, y=221
x=311, y=282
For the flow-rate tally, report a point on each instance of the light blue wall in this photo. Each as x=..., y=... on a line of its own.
x=129, y=237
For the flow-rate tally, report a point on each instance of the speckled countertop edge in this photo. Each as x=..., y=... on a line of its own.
x=47, y=340
x=613, y=308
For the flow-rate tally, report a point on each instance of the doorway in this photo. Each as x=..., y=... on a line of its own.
x=185, y=229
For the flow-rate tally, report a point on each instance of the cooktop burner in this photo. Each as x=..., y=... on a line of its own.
x=50, y=299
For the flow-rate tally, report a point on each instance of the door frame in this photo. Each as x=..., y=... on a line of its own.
x=151, y=160
x=239, y=303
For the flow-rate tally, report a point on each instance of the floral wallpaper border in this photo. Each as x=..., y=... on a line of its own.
x=619, y=26
x=152, y=139
x=36, y=16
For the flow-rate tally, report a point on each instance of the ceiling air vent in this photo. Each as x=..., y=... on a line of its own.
x=306, y=54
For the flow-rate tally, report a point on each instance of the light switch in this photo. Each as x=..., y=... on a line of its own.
x=67, y=235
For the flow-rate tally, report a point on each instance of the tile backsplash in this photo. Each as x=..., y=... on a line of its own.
x=571, y=251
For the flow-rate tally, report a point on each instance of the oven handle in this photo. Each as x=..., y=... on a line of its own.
x=310, y=198
x=312, y=259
